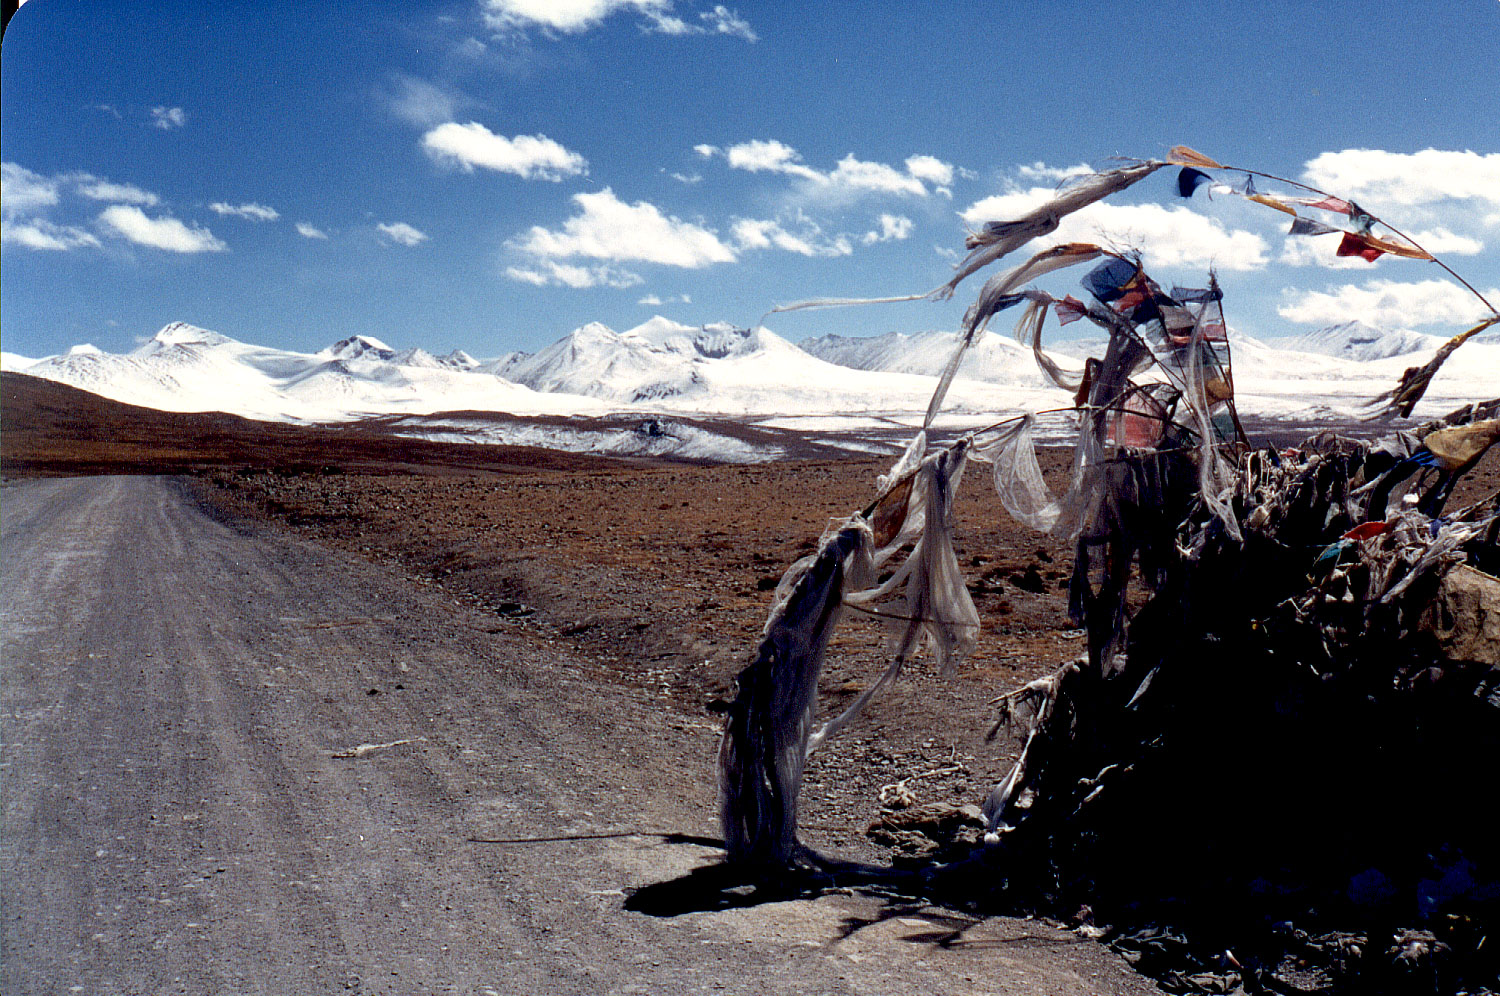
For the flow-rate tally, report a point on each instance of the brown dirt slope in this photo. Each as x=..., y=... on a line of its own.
x=49, y=429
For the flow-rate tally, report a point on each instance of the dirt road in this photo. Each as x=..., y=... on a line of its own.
x=181, y=814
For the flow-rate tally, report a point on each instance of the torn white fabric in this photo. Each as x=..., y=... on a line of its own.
x=936, y=608
x=989, y=300
x=997, y=239
x=764, y=746
x=1018, y=475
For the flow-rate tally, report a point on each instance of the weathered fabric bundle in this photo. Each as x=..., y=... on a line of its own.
x=764, y=745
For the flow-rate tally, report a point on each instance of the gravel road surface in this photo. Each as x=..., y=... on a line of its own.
x=192, y=803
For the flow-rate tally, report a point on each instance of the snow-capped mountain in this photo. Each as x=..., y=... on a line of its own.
x=185, y=368
x=721, y=369
x=358, y=347
x=1359, y=341
x=662, y=366
x=992, y=358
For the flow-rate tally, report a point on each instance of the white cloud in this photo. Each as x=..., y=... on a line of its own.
x=849, y=176
x=24, y=192
x=250, y=212
x=527, y=156
x=652, y=301
x=402, y=233
x=1166, y=236
x=420, y=103
x=688, y=178
x=1441, y=240
x=670, y=24
x=470, y=48
x=568, y=16
x=767, y=156
x=723, y=21
x=572, y=16
x=857, y=175
x=38, y=233
x=608, y=228
x=98, y=189
x=547, y=272
x=933, y=170
x=893, y=227
x=130, y=222
x=1055, y=174
x=1387, y=303
x=307, y=231
x=752, y=233
x=167, y=118
x=1407, y=179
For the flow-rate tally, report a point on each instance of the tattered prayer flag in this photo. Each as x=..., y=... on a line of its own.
x=1179, y=323
x=1354, y=245
x=1108, y=280
x=1139, y=421
x=1272, y=203
x=1365, y=530
x=1197, y=295
x=1397, y=248
x=1306, y=226
x=1189, y=180
x=1324, y=201
x=1069, y=310
x=1181, y=155
x=1360, y=219
x=1007, y=301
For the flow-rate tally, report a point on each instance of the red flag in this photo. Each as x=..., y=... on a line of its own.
x=1365, y=530
x=1353, y=245
x=1069, y=310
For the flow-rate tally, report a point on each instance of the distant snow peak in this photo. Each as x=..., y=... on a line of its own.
x=358, y=346
x=657, y=330
x=181, y=334
x=1358, y=340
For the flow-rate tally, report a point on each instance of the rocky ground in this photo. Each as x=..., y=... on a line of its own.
x=657, y=575
x=662, y=576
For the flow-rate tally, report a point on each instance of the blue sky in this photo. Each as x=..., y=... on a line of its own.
x=489, y=174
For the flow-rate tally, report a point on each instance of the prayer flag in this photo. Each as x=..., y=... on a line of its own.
x=1397, y=248
x=1181, y=155
x=1360, y=219
x=1198, y=295
x=1189, y=180
x=1306, y=226
x=1354, y=245
x=1108, y=280
x=1069, y=310
x=1365, y=530
x=1272, y=203
x=1324, y=201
